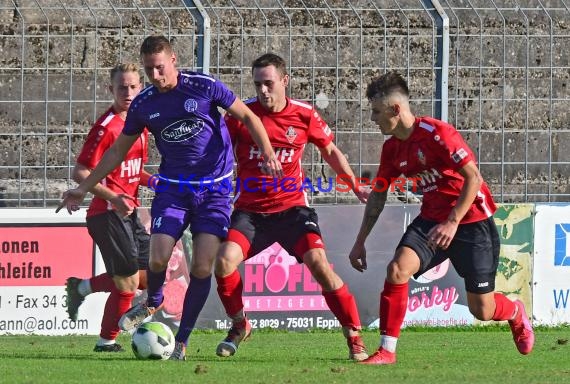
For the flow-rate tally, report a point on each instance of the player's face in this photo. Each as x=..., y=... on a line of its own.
x=160, y=69
x=270, y=86
x=125, y=86
x=382, y=113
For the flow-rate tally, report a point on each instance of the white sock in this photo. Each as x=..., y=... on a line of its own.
x=389, y=343
x=84, y=288
x=103, y=341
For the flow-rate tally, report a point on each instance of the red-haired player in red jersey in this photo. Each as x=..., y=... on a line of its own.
x=455, y=221
x=269, y=210
x=112, y=218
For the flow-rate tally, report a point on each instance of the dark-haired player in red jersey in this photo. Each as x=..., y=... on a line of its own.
x=112, y=219
x=269, y=210
x=455, y=220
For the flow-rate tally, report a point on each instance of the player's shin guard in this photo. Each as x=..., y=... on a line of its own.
x=504, y=307
x=155, y=281
x=342, y=304
x=102, y=283
x=117, y=304
x=194, y=300
x=230, y=290
x=393, y=305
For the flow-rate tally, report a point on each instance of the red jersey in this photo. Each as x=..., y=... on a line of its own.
x=289, y=131
x=431, y=158
x=126, y=177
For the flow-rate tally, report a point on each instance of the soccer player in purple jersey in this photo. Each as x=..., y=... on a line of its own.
x=180, y=109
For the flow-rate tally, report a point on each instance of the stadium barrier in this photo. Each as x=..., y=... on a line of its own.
x=40, y=249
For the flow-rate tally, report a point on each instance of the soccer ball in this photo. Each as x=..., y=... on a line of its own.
x=153, y=340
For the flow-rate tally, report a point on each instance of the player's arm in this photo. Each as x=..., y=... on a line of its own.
x=253, y=124
x=81, y=172
x=110, y=160
x=336, y=159
x=442, y=234
x=374, y=207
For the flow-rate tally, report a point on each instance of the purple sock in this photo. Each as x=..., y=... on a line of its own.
x=194, y=300
x=154, y=287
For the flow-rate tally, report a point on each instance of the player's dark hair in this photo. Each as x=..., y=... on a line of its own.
x=155, y=44
x=386, y=84
x=270, y=59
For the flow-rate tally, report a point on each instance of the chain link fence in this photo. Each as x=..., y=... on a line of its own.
x=498, y=70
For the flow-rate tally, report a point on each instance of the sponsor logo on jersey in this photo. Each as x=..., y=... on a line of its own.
x=291, y=135
x=190, y=105
x=459, y=155
x=403, y=164
x=154, y=116
x=182, y=130
x=421, y=157
x=483, y=284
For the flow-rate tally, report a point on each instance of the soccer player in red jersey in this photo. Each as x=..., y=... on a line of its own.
x=269, y=210
x=455, y=220
x=112, y=219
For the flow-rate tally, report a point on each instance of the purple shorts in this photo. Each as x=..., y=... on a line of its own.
x=205, y=210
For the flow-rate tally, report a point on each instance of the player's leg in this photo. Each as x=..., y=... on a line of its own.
x=230, y=286
x=169, y=219
x=209, y=222
x=475, y=257
x=115, y=237
x=337, y=295
x=412, y=257
x=77, y=289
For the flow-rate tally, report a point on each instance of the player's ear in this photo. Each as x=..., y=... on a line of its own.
x=396, y=109
x=285, y=80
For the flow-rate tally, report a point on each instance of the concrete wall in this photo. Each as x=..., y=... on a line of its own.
x=508, y=78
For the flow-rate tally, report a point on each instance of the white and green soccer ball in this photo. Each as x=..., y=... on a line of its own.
x=153, y=340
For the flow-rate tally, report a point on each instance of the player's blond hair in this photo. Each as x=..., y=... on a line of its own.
x=123, y=68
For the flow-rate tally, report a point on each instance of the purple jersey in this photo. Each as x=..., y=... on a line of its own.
x=187, y=126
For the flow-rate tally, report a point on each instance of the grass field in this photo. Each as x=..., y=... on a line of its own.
x=438, y=355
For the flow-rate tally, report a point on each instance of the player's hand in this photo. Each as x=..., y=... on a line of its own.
x=123, y=204
x=441, y=235
x=362, y=193
x=272, y=167
x=357, y=258
x=71, y=199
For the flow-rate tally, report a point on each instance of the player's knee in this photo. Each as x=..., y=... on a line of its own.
x=396, y=274
x=157, y=265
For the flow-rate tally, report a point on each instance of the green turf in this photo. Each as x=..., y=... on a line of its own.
x=463, y=355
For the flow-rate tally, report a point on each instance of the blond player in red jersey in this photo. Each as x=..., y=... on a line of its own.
x=269, y=210
x=112, y=219
x=455, y=220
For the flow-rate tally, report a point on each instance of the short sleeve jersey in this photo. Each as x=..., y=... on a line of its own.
x=188, y=128
x=289, y=131
x=126, y=177
x=430, y=159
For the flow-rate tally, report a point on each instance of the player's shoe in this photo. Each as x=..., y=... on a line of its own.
x=73, y=297
x=179, y=353
x=137, y=315
x=237, y=333
x=380, y=357
x=108, y=348
x=356, y=348
x=523, y=335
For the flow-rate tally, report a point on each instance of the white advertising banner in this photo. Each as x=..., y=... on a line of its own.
x=39, y=250
x=551, y=274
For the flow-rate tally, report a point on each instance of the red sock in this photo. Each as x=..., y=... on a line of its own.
x=504, y=307
x=393, y=306
x=342, y=304
x=230, y=291
x=102, y=283
x=117, y=304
